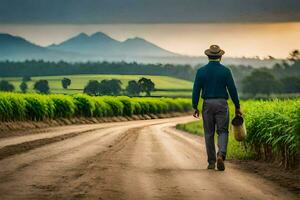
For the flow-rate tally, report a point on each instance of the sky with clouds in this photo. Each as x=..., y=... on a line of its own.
x=147, y=11
x=243, y=27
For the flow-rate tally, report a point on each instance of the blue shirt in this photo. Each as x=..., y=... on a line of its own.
x=213, y=80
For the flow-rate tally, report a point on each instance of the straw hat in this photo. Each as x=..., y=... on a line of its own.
x=214, y=50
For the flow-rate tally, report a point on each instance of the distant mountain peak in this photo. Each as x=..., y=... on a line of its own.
x=83, y=35
x=8, y=39
x=102, y=37
x=99, y=34
x=136, y=39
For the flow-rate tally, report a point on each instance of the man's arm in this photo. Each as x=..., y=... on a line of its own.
x=233, y=92
x=196, y=91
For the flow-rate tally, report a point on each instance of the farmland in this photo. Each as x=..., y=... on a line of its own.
x=36, y=107
x=125, y=152
x=166, y=86
x=273, y=129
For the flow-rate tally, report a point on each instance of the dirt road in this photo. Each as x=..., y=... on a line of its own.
x=124, y=160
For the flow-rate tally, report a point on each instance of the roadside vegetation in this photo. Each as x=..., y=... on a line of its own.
x=273, y=132
x=18, y=106
x=236, y=150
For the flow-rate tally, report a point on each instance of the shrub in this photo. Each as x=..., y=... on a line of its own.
x=85, y=105
x=42, y=86
x=6, y=86
x=18, y=108
x=66, y=82
x=64, y=105
x=128, y=106
x=23, y=87
x=143, y=105
x=38, y=107
x=115, y=104
x=6, y=109
x=102, y=109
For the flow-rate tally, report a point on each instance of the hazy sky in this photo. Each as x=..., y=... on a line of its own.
x=242, y=27
x=147, y=11
x=189, y=39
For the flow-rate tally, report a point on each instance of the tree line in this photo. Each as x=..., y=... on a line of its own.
x=95, y=88
x=281, y=78
x=45, y=68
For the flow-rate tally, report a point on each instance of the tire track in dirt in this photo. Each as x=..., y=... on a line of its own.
x=47, y=167
x=11, y=150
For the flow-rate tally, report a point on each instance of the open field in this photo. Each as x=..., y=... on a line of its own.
x=164, y=83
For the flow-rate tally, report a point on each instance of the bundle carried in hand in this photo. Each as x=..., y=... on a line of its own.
x=239, y=128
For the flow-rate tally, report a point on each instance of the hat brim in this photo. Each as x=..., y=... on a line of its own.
x=209, y=53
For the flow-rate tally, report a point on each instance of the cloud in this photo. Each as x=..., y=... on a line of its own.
x=147, y=11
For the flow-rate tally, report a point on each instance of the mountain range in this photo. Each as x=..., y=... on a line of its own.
x=97, y=46
x=101, y=47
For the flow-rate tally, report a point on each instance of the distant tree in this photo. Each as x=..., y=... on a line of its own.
x=92, y=88
x=110, y=87
x=133, y=88
x=260, y=82
x=115, y=86
x=146, y=85
x=66, y=82
x=294, y=55
x=6, y=86
x=105, y=87
x=290, y=84
x=26, y=78
x=42, y=86
x=23, y=87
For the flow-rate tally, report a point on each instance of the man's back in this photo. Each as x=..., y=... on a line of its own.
x=214, y=79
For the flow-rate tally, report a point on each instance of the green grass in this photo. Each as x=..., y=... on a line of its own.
x=236, y=150
x=79, y=82
x=192, y=127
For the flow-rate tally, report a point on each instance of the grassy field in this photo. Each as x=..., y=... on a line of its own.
x=79, y=81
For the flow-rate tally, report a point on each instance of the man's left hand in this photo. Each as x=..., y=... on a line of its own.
x=196, y=113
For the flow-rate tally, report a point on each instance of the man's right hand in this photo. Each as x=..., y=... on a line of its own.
x=196, y=113
x=238, y=112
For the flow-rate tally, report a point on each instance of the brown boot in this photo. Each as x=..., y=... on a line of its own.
x=211, y=166
x=220, y=163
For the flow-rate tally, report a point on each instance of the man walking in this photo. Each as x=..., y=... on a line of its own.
x=213, y=80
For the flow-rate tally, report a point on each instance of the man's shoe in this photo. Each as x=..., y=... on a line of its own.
x=211, y=166
x=220, y=163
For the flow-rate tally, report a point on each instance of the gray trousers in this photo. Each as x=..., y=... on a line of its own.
x=215, y=116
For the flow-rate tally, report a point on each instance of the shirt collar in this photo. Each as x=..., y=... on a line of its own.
x=214, y=60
